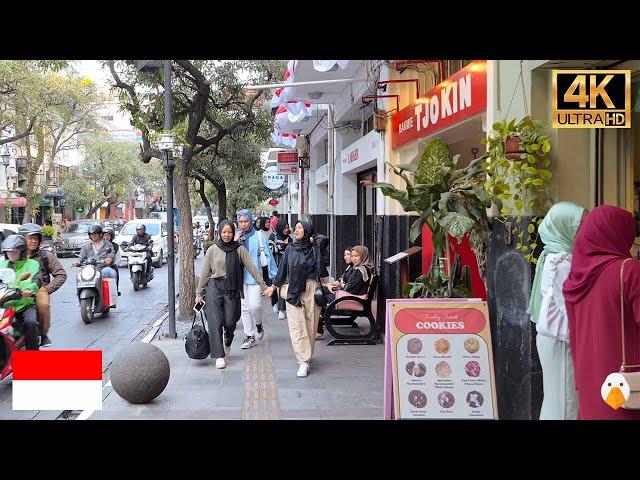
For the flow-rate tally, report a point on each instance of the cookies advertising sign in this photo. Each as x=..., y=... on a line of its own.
x=441, y=359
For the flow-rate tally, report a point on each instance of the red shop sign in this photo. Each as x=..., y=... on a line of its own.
x=287, y=163
x=440, y=320
x=459, y=97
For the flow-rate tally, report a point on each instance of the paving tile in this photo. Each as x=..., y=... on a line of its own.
x=290, y=398
x=352, y=413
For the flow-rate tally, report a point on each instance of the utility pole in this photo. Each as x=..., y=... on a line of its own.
x=169, y=166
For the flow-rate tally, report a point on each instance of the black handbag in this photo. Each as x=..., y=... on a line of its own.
x=197, y=340
x=319, y=296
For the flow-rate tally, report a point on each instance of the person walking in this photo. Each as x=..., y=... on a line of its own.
x=50, y=266
x=251, y=303
x=222, y=277
x=548, y=312
x=297, y=279
x=279, y=240
x=592, y=297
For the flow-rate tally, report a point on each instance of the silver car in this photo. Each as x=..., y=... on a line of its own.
x=71, y=239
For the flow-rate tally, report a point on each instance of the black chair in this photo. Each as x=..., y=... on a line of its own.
x=335, y=315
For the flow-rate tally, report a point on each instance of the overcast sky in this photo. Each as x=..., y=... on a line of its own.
x=91, y=69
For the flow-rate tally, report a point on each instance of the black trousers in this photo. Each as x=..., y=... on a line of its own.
x=26, y=322
x=329, y=297
x=223, y=312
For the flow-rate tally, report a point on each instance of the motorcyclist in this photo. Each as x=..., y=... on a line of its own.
x=108, y=234
x=143, y=238
x=28, y=281
x=50, y=266
x=98, y=250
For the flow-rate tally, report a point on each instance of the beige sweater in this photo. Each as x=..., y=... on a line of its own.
x=214, y=266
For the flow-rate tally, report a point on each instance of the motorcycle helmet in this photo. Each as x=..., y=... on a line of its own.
x=141, y=226
x=95, y=228
x=30, y=229
x=14, y=243
x=109, y=230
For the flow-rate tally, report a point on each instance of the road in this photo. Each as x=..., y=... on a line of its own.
x=135, y=311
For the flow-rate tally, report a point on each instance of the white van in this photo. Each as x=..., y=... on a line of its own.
x=158, y=231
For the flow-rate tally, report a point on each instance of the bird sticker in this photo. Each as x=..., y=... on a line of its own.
x=615, y=390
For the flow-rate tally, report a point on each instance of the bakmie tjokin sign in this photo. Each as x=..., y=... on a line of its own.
x=457, y=98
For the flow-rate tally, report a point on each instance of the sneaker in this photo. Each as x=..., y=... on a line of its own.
x=248, y=343
x=303, y=371
x=45, y=341
x=282, y=316
x=220, y=363
x=260, y=333
x=275, y=308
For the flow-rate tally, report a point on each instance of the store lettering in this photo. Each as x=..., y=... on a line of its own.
x=452, y=99
x=440, y=325
x=353, y=156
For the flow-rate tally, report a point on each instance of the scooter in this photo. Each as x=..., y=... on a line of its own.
x=10, y=339
x=137, y=260
x=96, y=293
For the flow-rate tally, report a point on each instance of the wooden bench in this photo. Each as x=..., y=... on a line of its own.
x=345, y=310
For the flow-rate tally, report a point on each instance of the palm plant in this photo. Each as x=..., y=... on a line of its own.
x=451, y=201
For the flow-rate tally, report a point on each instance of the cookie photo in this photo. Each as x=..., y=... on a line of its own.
x=419, y=370
x=414, y=345
x=446, y=399
x=443, y=370
x=475, y=399
x=472, y=368
x=471, y=345
x=442, y=346
x=409, y=368
x=417, y=398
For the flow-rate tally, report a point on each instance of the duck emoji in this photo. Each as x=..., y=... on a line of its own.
x=615, y=390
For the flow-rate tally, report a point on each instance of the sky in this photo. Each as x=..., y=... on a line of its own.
x=92, y=70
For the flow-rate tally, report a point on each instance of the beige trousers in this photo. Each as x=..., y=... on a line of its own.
x=303, y=321
x=43, y=307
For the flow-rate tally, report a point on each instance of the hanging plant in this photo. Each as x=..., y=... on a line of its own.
x=518, y=166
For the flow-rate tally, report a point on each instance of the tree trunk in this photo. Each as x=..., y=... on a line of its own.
x=207, y=207
x=222, y=201
x=187, y=278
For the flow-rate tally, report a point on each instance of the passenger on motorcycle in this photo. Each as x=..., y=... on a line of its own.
x=50, y=266
x=108, y=234
x=143, y=238
x=98, y=250
x=14, y=248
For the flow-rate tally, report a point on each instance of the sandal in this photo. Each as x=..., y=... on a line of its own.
x=319, y=336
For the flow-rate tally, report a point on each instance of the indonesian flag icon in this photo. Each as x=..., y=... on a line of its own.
x=57, y=380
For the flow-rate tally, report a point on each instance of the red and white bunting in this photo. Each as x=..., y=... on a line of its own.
x=326, y=65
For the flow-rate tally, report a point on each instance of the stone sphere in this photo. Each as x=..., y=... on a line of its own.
x=140, y=372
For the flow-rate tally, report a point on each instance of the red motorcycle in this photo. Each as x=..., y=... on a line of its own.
x=10, y=339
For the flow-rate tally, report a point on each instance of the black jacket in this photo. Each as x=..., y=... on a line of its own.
x=141, y=240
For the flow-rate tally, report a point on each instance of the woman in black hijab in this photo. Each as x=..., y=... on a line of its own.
x=297, y=279
x=222, y=276
x=279, y=240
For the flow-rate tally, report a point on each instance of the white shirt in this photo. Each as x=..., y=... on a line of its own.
x=552, y=321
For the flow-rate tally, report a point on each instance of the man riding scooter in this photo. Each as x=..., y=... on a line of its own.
x=143, y=238
x=50, y=266
x=98, y=250
x=27, y=280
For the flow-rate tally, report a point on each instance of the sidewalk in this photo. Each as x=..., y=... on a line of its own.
x=345, y=382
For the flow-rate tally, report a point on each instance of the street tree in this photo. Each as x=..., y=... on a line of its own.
x=209, y=104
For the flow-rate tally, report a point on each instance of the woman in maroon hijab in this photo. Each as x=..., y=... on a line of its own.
x=592, y=297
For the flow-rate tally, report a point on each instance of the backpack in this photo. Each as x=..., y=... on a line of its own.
x=197, y=340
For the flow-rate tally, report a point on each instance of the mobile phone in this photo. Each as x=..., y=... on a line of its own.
x=198, y=307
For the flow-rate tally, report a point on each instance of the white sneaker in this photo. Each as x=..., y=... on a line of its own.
x=275, y=308
x=282, y=316
x=248, y=343
x=220, y=363
x=227, y=350
x=303, y=371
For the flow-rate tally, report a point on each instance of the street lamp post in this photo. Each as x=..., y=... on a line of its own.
x=166, y=145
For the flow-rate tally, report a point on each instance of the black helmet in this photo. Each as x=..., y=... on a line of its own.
x=15, y=242
x=95, y=228
x=109, y=230
x=30, y=229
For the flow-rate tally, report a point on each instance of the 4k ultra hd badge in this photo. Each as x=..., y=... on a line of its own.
x=591, y=98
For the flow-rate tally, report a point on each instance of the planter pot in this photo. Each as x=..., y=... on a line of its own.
x=513, y=148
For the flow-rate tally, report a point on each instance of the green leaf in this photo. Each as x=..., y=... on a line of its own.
x=545, y=174
x=456, y=225
x=533, y=246
x=433, y=163
x=531, y=170
x=408, y=167
x=546, y=147
x=531, y=228
x=416, y=227
x=537, y=182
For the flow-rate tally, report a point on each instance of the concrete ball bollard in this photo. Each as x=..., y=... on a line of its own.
x=140, y=372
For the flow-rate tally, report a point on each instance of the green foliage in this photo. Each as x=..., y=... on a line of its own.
x=450, y=201
x=523, y=185
x=48, y=230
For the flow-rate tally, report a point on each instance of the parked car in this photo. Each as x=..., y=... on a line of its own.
x=71, y=239
x=158, y=231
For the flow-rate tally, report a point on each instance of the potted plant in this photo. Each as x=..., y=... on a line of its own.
x=517, y=162
x=48, y=232
x=452, y=202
